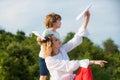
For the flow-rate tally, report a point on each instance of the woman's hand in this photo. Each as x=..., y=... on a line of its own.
x=98, y=62
x=86, y=19
x=87, y=13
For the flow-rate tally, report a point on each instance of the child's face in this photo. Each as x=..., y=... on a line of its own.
x=57, y=24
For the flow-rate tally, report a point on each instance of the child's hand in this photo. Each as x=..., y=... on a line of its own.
x=39, y=40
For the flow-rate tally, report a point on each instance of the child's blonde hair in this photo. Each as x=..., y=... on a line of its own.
x=50, y=19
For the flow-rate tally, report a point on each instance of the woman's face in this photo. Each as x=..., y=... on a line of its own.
x=56, y=42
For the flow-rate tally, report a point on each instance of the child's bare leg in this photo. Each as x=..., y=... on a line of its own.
x=43, y=77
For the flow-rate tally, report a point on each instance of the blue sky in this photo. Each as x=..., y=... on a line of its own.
x=28, y=15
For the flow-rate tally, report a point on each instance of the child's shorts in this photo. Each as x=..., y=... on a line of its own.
x=43, y=68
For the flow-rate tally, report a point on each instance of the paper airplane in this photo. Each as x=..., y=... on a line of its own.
x=37, y=34
x=81, y=14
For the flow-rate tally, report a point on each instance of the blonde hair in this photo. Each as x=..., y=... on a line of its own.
x=50, y=19
x=47, y=45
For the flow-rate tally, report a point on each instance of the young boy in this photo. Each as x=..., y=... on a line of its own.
x=52, y=23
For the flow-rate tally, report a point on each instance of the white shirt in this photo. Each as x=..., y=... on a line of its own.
x=59, y=66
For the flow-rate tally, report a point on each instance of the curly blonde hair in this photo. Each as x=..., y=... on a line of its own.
x=50, y=19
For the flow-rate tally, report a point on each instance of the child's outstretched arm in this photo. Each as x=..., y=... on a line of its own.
x=86, y=19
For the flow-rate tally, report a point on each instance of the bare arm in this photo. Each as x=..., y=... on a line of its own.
x=98, y=62
x=86, y=20
x=77, y=40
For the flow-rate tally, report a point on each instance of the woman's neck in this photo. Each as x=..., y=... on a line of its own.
x=55, y=52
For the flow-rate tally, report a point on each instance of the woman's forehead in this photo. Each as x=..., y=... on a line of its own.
x=53, y=37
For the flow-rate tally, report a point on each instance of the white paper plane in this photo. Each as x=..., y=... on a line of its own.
x=37, y=34
x=81, y=14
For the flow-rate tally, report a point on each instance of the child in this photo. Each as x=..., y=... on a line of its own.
x=52, y=22
x=57, y=60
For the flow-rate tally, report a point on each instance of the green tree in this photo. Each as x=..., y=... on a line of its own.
x=110, y=46
x=20, y=36
x=16, y=66
x=19, y=56
x=68, y=37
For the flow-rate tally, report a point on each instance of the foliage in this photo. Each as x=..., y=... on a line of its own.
x=110, y=46
x=19, y=56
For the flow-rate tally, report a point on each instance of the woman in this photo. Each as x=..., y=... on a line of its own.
x=57, y=60
x=52, y=24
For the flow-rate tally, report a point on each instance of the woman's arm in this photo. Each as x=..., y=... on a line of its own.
x=65, y=65
x=98, y=62
x=70, y=66
x=77, y=39
x=86, y=19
